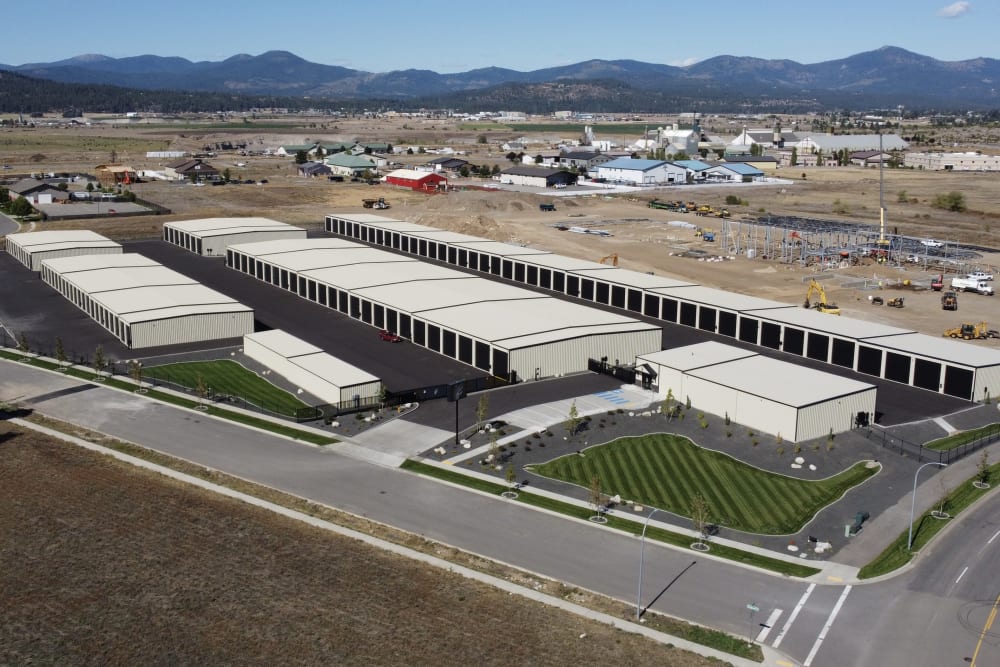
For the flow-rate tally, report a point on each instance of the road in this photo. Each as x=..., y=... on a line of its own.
x=7, y=225
x=935, y=609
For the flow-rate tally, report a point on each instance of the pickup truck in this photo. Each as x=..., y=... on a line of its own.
x=972, y=285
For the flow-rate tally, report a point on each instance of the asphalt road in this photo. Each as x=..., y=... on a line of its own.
x=900, y=621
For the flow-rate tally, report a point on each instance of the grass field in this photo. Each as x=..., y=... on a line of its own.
x=667, y=471
x=228, y=377
x=963, y=438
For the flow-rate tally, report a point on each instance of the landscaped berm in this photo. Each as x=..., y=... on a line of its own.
x=668, y=471
x=228, y=377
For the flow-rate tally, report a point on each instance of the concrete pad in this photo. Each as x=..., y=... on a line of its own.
x=401, y=438
x=540, y=417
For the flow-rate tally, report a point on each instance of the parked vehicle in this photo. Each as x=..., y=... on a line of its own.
x=389, y=337
x=979, y=275
x=972, y=285
x=931, y=243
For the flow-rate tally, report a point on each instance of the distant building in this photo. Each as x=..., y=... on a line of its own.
x=734, y=172
x=452, y=164
x=953, y=161
x=345, y=164
x=641, y=172
x=421, y=181
x=110, y=175
x=313, y=169
x=36, y=191
x=586, y=159
x=191, y=168
x=538, y=177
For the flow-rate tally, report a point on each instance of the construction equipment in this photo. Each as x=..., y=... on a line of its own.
x=704, y=210
x=937, y=283
x=970, y=331
x=611, y=259
x=379, y=203
x=722, y=213
x=896, y=302
x=546, y=207
x=822, y=305
x=949, y=301
x=972, y=285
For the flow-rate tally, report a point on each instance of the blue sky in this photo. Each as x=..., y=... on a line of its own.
x=459, y=35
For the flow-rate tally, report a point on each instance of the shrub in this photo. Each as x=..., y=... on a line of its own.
x=951, y=201
x=780, y=450
x=732, y=200
x=727, y=418
x=729, y=433
x=754, y=442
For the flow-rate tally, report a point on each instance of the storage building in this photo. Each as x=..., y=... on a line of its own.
x=330, y=379
x=211, y=236
x=765, y=394
x=31, y=248
x=502, y=329
x=145, y=304
x=955, y=368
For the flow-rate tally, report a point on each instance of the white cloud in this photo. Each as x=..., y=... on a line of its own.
x=954, y=10
x=683, y=63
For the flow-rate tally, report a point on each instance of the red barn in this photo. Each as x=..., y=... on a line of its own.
x=421, y=181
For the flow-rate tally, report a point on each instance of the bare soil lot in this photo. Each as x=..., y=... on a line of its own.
x=101, y=563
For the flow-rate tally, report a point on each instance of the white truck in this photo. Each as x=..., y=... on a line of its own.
x=972, y=285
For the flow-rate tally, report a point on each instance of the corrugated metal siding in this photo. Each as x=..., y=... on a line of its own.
x=987, y=378
x=364, y=391
x=218, y=244
x=39, y=257
x=815, y=421
x=570, y=356
x=709, y=397
x=767, y=417
x=191, y=329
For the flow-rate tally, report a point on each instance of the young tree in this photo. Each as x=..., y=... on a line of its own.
x=60, y=352
x=983, y=468
x=595, y=495
x=494, y=450
x=511, y=476
x=22, y=343
x=572, y=423
x=668, y=404
x=100, y=361
x=200, y=388
x=794, y=161
x=135, y=370
x=701, y=516
x=482, y=409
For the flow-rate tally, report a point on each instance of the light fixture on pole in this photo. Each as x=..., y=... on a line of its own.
x=642, y=554
x=913, y=499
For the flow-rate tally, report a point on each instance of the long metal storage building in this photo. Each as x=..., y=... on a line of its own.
x=31, y=248
x=145, y=304
x=508, y=331
x=211, y=236
x=328, y=378
x=766, y=394
x=954, y=368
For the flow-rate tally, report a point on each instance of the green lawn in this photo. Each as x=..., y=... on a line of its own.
x=962, y=437
x=666, y=471
x=228, y=377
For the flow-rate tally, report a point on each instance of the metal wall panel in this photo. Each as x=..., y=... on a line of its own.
x=191, y=329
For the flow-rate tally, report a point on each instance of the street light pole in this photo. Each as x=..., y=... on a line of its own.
x=913, y=498
x=642, y=554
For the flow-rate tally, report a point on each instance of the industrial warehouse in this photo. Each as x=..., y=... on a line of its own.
x=507, y=331
x=326, y=377
x=144, y=304
x=31, y=248
x=211, y=236
x=771, y=396
x=891, y=353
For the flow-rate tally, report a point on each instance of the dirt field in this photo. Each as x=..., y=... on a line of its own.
x=102, y=563
x=641, y=239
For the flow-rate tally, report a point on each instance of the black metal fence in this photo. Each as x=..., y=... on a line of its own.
x=624, y=373
x=921, y=453
x=431, y=392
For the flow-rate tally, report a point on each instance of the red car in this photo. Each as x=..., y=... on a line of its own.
x=387, y=335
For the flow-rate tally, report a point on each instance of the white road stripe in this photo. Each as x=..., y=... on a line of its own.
x=990, y=541
x=966, y=569
x=826, y=628
x=793, y=615
x=769, y=623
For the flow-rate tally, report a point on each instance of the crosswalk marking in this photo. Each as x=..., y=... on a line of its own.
x=826, y=628
x=793, y=615
x=768, y=624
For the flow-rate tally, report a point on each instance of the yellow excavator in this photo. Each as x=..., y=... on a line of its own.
x=822, y=305
x=611, y=259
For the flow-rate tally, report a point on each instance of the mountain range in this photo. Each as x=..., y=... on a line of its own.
x=886, y=77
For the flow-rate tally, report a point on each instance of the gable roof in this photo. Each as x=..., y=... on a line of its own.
x=693, y=165
x=541, y=172
x=740, y=168
x=633, y=164
x=27, y=185
x=350, y=161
